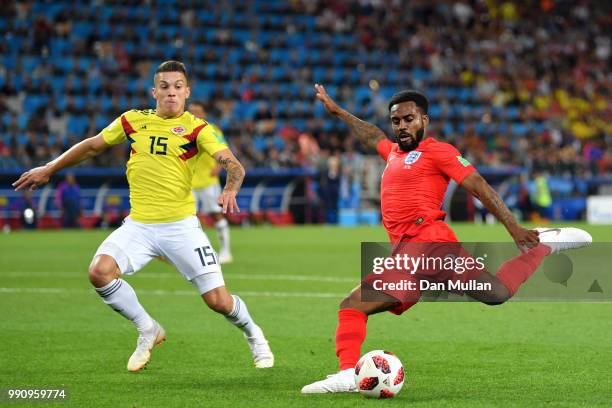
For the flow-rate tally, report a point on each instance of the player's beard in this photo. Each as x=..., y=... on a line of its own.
x=414, y=141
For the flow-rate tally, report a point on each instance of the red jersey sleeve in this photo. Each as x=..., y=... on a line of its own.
x=384, y=148
x=451, y=163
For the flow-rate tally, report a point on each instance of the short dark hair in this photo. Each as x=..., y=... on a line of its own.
x=410, y=95
x=172, y=66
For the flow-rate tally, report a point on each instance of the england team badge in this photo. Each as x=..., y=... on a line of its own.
x=412, y=157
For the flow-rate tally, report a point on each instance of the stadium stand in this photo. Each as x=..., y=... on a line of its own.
x=518, y=88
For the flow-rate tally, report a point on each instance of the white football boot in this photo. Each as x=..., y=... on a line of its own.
x=144, y=345
x=342, y=381
x=561, y=239
x=262, y=354
x=225, y=257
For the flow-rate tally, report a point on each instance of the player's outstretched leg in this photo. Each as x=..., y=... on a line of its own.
x=350, y=335
x=516, y=271
x=552, y=240
x=104, y=274
x=235, y=311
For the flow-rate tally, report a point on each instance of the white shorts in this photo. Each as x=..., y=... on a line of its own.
x=206, y=199
x=183, y=243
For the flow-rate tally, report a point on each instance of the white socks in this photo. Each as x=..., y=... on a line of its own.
x=222, y=227
x=240, y=317
x=119, y=295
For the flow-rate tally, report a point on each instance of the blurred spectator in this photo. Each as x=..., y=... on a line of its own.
x=352, y=165
x=68, y=199
x=524, y=203
x=7, y=161
x=541, y=197
x=330, y=188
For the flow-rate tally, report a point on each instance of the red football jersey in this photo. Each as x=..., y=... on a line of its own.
x=413, y=184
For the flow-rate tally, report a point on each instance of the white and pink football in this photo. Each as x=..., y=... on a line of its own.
x=379, y=374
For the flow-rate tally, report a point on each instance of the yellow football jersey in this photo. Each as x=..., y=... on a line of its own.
x=206, y=163
x=162, y=161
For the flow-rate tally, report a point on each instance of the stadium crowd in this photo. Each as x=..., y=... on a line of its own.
x=509, y=84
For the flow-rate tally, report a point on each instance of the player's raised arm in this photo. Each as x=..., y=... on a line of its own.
x=233, y=180
x=367, y=133
x=478, y=186
x=81, y=151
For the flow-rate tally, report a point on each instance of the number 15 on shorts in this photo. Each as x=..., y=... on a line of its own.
x=207, y=255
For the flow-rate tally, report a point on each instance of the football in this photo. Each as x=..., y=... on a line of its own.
x=379, y=374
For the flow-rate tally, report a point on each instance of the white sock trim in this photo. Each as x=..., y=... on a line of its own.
x=110, y=288
x=240, y=317
x=222, y=223
x=121, y=297
x=236, y=307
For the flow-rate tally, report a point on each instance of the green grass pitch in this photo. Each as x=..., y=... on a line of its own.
x=56, y=332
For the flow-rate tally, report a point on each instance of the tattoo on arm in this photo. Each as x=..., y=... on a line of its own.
x=235, y=173
x=367, y=133
x=491, y=200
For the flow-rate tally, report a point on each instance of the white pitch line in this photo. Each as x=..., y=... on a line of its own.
x=176, y=292
x=318, y=295
x=313, y=278
x=150, y=275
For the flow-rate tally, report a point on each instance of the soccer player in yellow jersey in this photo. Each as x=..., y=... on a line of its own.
x=206, y=188
x=165, y=144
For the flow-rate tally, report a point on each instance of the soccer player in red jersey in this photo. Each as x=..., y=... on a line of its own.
x=413, y=185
